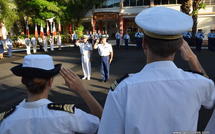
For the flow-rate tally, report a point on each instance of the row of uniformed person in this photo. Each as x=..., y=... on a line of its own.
x=211, y=40
x=43, y=43
x=126, y=37
x=199, y=36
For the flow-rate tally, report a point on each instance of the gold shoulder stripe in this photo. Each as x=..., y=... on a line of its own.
x=62, y=107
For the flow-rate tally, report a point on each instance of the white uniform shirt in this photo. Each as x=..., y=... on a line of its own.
x=40, y=40
x=27, y=42
x=85, y=49
x=126, y=37
x=59, y=40
x=33, y=40
x=9, y=42
x=104, y=50
x=36, y=118
x=160, y=99
x=118, y=35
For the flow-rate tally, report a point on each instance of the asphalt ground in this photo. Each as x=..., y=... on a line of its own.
x=125, y=61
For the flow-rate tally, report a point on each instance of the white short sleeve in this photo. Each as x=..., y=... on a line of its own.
x=208, y=94
x=113, y=117
x=111, y=48
x=83, y=122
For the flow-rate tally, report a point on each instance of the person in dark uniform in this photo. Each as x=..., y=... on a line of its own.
x=118, y=38
x=37, y=114
x=211, y=39
x=126, y=38
x=90, y=37
x=139, y=38
x=1, y=49
x=199, y=39
x=187, y=37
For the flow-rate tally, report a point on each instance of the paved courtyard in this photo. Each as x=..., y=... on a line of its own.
x=125, y=61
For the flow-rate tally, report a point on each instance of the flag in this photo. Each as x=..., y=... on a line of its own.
x=70, y=28
x=47, y=29
x=27, y=30
x=41, y=30
x=54, y=29
x=36, y=31
x=59, y=27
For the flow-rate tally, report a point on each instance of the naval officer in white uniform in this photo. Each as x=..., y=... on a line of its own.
x=37, y=114
x=85, y=49
x=161, y=98
x=106, y=52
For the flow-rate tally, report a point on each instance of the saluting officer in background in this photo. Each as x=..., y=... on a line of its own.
x=199, y=40
x=85, y=49
x=211, y=40
x=106, y=52
x=139, y=38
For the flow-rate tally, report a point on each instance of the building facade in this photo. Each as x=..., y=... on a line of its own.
x=119, y=15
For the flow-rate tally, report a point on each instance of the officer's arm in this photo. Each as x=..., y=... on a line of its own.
x=77, y=43
x=188, y=55
x=96, y=44
x=111, y=56
x=76, y=85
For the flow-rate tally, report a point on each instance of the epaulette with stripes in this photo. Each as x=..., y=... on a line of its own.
x=5, y=114
x=116, y=82
x=62, y=107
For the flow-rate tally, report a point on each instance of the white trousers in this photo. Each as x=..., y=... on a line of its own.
x=45, y=47
x=52, y=47
x=86, y=66
x=34, y=48
x=28, y=49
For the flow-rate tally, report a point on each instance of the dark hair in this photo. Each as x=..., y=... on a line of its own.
x=161, y=47
x=35, y=85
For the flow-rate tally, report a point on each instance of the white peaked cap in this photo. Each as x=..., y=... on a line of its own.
x=44, y=62
x=163, y=23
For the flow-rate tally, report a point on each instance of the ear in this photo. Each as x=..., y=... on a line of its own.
x=144, y=44
x=50, y=82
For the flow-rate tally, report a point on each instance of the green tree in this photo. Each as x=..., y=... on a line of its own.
x=38, y=11
x=186, y=6
x=196, y=5
x=77, y=9
x=8, y=13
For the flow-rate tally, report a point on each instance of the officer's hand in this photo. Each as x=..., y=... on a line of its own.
x=72, y=80
x=111, y=60
x=97, y=41
x=186, y=52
